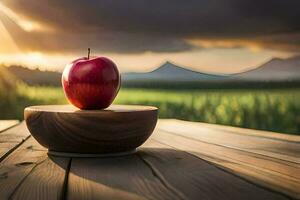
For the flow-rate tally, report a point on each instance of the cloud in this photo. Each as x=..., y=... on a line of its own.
x=285, y=42
x=156, y=25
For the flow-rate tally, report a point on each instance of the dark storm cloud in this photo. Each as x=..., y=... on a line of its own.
x=158, y=25
x=106, y=41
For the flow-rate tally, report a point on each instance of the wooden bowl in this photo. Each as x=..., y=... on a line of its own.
x=117, y=129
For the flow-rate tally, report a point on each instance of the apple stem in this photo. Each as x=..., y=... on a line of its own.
x=89, y=51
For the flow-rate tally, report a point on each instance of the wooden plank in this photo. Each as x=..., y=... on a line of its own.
x=238, y=130
x=5, y=124
x=196, y=178
x=45, y=181
x=12, y=138
x=267, y=146
x=269, y=172
x=27, y=172
x=126, y=177
x=15, y=167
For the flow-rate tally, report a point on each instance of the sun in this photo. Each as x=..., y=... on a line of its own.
x=35, y=57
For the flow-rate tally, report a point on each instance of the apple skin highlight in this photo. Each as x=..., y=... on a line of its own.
x=91, y=83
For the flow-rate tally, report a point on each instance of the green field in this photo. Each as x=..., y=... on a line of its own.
x=275, y=110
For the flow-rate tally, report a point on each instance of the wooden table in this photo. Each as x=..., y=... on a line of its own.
x=182, y=160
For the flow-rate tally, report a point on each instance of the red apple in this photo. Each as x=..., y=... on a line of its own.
x=91, y=83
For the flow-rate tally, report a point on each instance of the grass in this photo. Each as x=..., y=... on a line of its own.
x=274, y=110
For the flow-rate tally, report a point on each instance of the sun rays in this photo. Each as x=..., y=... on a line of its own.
x=7, y=44
x=26, y=25
x=10, y=52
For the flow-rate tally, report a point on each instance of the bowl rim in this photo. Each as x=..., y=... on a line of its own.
x=67, y=108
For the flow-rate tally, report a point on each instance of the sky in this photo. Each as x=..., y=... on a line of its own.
x=139, y=35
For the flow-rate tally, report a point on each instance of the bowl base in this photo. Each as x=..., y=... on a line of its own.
x=90, y=155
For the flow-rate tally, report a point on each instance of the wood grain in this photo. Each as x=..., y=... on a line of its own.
x=12, y=138
x=276, y=148
x=27, y=172
x=236, y=130
x=67, y=129
x=45, y=181
x=126, y=177
x=16, y=166
x=5, y=124
x=196, y=178
x=271, y=172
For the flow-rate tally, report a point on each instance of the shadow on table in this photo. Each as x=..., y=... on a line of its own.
x=155, y=173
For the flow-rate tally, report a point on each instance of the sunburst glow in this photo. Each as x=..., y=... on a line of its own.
x=8, y=45
x=26, y=25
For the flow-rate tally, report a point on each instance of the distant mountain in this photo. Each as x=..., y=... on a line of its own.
x=274, y=70
x=36, y=76
x=170, y=72
x=277, y=72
